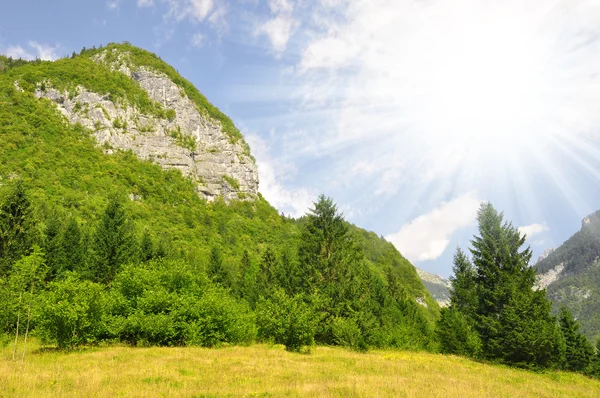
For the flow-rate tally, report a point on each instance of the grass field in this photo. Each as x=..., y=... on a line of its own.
x=264, y=371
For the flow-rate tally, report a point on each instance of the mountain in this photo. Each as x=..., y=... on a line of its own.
x=571, y=275
x=117, y=121
x=438, y=287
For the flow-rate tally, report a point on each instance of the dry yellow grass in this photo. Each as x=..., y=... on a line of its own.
x=261, y=370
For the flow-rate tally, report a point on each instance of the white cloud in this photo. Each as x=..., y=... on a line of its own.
x=533, y=229
x=329, y=53
x=193, y=10
x=113, y=4
x=278, y=29
x=271, y=172
x=427, y=236
x=198, y=40
x=42, y=51
x=145, y=3
x=17, y=52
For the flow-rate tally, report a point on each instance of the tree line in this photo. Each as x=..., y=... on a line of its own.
x=72, y=283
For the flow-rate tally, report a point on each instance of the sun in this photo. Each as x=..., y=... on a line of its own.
x=479, y=79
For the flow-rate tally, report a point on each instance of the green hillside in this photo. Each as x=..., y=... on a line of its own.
x=578, y=285
x=142, y=239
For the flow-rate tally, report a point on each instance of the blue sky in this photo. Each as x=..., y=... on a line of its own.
x=407, y=113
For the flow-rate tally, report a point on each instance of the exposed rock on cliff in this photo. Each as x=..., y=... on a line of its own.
x=184, y=137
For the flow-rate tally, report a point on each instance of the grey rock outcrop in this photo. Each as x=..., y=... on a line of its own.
x=189, y=141
x=438, y=287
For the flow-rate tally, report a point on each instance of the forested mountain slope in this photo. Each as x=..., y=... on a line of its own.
x=571, y=275
x=119, y=171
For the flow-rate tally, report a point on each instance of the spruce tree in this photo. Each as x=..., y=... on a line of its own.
x=456, y=326
x=332, y=267
x=114, y=242
x=464, y=292
x=579, y=353
x=268, y=264
x=595, y=367
x=53, y=247
x=73, y=248
x=146, y=247
x=216, y=269
x=513, y=320
x=16, y=228
x=249, y=275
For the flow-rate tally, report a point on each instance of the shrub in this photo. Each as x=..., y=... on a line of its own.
x=70, y=313
x=286, y=320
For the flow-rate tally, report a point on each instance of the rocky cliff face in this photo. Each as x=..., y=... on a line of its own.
x=438, y=287
x=186, y=139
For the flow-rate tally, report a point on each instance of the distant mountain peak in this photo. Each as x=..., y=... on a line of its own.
x=545, y=254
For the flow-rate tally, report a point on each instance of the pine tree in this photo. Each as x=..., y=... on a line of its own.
x=216, y=269
x=513, y=320
x=53, y=247
x=456, y=326
x=464, y=293
x=16, y=228
x=595, y=367
x=286, y=273
x=332, y=266
x=73, y=248
x=114, y=242
x=579, y=353
x=265, y=279
x=146, y=247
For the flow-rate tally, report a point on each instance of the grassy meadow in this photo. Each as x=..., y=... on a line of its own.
x=265, y=371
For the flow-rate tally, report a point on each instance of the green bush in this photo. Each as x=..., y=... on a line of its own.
x=69, y=313
x=167, y=302
x=286, y=320
x=217, y=318
x=347, y=333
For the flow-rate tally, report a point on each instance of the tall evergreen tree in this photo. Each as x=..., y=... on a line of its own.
x=286, y=273
x=464, y=290
x=579, y=353
x=247, y=282
x=73, y=250
x=332, y=266
x=216, y=269
x=114, y=242
x=53, y=247
x=268, y=264
x=146, y=247
x=16, y=228
x=513, y=320
x=456, y=326
x=595, y=367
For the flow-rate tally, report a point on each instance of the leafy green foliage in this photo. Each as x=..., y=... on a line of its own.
x=68, y=74
x=69, y=312
x=286, y=320
x=233, y=183
x=167, y=302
